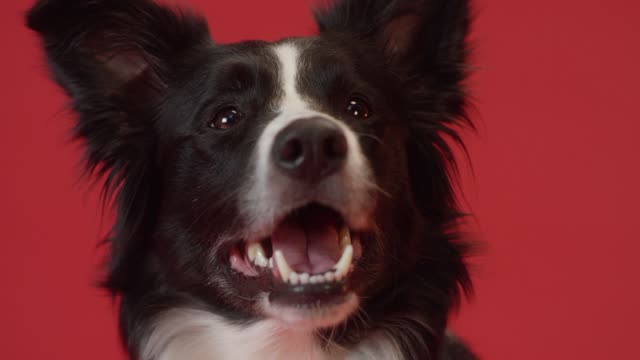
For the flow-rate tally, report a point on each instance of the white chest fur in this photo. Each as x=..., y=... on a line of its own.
x=186, y=334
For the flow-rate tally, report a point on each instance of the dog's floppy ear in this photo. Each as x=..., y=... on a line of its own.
x=112, y=57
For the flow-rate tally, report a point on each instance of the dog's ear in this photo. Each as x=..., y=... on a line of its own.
x=113, y=58
x=422, y=34
x=423, y=43
x=116, y=59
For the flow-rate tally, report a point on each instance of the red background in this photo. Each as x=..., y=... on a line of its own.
x=555, y=189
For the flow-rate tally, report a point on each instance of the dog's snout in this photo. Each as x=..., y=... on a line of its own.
x=310, y=149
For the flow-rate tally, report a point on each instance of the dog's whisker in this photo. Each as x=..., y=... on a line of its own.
x=370, y=136
x=380, y=190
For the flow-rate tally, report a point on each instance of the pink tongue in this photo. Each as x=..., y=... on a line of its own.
x=309, y=241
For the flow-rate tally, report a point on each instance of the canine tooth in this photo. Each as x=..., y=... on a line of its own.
x=252, y=249
x=304, y=278
x=345, y=237
x=342, y=266
x=294, y=278
x=261, y=258
x=256, y=254
x=330, y=276
x=283, y=266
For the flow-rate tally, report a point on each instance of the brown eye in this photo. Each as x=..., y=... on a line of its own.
x=226, y=118
x=358, y=108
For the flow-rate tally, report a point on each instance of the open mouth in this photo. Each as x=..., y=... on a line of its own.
x=308, y=258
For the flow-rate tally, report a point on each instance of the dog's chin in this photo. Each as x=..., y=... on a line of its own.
x=319, y=315
x=302, y=272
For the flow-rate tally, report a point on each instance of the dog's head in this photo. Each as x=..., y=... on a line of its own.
x=295, y=180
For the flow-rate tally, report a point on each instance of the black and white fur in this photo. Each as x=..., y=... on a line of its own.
x=147, y=81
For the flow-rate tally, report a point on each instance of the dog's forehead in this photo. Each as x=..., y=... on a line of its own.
x=293, y=65
x=288, y=55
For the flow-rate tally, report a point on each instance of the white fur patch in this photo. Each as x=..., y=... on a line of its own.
x=292, y=107
x=189, y=334
x=289, y=55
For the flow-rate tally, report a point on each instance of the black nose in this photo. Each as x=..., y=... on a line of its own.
x=310, y=149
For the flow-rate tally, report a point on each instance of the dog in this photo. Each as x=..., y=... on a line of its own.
x=285, y=200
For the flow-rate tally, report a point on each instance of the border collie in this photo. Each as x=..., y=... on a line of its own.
x=286, y=200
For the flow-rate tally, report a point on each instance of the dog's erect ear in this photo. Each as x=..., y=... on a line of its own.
x=102, y=45
x=424, y=44
x=419, y=33
x=113, y=58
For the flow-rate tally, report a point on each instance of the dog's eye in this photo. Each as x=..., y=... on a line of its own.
x=226, y=118
x=358, y=108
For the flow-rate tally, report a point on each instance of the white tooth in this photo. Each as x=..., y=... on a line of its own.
x=342, y=267
x=330, y=276
x=282, y=265
x=252, y=250
x=271, y=262
x=345, y=237
x=313, y=279
x=319, y=279
x=261, y=258
x=294, y=278
x=304, y=278
x=256, y=254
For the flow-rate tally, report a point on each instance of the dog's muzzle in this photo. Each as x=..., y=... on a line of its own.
x=306, y=207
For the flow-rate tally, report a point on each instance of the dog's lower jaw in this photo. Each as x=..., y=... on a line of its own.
x=313, y=318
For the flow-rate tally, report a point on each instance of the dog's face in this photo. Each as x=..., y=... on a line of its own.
x=271, y=177
x=293, y=180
